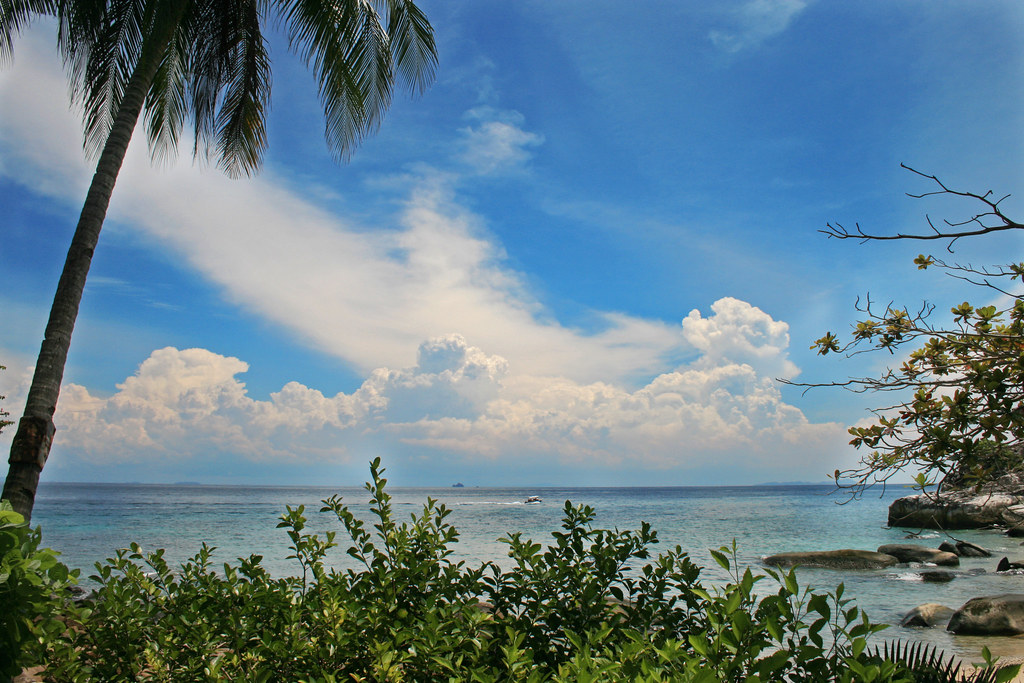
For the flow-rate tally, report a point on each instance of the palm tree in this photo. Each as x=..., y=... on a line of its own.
x=206, y=62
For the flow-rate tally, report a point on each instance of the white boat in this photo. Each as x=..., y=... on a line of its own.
x=532, y=500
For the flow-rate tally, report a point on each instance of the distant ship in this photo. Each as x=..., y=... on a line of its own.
x=458, y=485
x=532, y=500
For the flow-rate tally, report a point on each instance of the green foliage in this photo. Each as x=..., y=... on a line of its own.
x=32, y=586
x=591, y=606
x=927, y=664
x=960, y=419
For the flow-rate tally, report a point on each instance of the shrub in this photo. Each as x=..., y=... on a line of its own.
x=582, y=609
x=32, y=585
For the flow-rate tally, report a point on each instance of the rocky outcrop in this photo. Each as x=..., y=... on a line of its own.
x=998, y=503
x=929, y=614
x=994, y=615
x=833, y=559
x=910, y=552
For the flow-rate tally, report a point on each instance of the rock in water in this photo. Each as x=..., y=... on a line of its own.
x=833, y=559
x=965, y=549
x=937, y=576
x=1000, y=502
x=1005, y=565
x=994, y=615
x=929, y=614
x=909, y=552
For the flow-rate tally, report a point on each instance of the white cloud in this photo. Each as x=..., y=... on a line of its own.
x=366, y=294
x=757, y=21
x=741, y=333
x=497, y=141
x=457, y=401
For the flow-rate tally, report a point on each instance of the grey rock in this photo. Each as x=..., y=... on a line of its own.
x=909, y=552
x=929, y=614
x=990, y=616
x=937, y=576
x=997, y=503
x=1005, y=565
x=965, y=549
x=957, y=510
x=833, y=559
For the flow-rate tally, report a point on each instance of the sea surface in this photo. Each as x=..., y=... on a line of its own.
x=88, y=522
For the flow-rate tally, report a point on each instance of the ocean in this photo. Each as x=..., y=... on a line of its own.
x=88, y=522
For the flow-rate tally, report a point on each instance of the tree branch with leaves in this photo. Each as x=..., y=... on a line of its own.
x=960, y=418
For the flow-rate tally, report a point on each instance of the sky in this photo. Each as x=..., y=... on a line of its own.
x=584, y=257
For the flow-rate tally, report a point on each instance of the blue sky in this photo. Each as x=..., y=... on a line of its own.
x=582, y=258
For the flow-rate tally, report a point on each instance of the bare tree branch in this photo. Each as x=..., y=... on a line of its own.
x=990, y=220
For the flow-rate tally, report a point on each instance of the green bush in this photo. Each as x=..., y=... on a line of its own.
x=32, y=585
x=582, y=609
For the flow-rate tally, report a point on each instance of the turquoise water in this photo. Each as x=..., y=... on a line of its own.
x=88, y=522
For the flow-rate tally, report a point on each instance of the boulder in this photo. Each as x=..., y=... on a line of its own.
x=997, y=503
x=910, y=552
x=964, y=549
x=1005, y=565
x=833, y=559
x=937, y=576
x=994, y=615
x=929, y=614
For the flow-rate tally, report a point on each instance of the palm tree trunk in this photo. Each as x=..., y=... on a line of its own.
x=31, y=445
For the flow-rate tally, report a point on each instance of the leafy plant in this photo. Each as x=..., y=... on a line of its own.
x=928, y=664
x=32, y=586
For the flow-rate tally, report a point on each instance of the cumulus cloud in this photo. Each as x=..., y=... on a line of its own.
x=755, y=22
x=743, y=334
x=497, y=141
x=460, y=401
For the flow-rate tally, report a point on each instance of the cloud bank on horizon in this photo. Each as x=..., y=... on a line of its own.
x=725, y=409
x=404, y=276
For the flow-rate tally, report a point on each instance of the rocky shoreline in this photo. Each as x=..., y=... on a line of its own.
x=996, y=505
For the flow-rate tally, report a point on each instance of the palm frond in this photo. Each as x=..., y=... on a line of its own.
x=101, y=42
x=354, y=57
x=209, y=66
x=323, y=35
x=371, y=56
x=16, y=15
x=241, y=130
x=927, y=664
x=412, y=45
x=166, y=103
